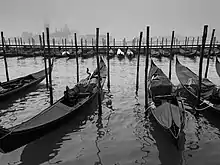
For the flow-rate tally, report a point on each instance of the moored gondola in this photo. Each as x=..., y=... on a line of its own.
x=165, y=105
x=130, y=55
x=81, y=97
x=111, y=53
x=120, y=54
x=189, y=53
x=210, y=98
x=217, y=66
x=15, y=86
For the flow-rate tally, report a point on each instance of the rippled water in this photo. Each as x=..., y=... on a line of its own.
x=123, y=135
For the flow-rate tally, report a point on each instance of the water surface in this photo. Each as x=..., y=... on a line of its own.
x=123, y=135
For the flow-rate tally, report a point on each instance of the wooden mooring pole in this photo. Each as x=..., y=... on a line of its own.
x=77, y=61
x=54, y=47
x=197, y=44
x=192, y=43
x=210, y=49
x=146, y=66
x=157, y=43
x=72, y=45
x=138, y=62
x=65, y=44
x=62, y=43
x=82, y=46
x=16, y=46
x=185, y=42
x=40, y=40
x=151, y=42
x=171, y=54
x=92, y=43
x=45, y=60
x=21, y=42
x=50, y=67
x=9, y=42
x=108, y=83
x=19, y=46
x=98, y=67
x=201, y=62
x=29, y=42
x=6, y=64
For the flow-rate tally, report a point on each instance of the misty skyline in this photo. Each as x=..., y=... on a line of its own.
x=121, y=18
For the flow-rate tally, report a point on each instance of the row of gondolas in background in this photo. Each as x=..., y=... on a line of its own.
x=120, y=53
x=164, y=101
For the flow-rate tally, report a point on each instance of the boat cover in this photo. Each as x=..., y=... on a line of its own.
x=166, y=112
x=191, y=80
x=159, y=83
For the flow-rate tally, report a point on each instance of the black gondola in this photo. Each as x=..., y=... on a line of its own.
x=165, y=105
x=81, y=97
x=190, y=81
x=20, y=84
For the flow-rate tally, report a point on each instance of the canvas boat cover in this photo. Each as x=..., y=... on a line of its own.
x=217, y=66
x=167, y=112
x=191, y=80
x=159, y=84
x=120, y=52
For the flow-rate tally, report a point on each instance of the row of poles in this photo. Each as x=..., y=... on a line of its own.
x=19, y=43
x=48, y=58
x=146, y=52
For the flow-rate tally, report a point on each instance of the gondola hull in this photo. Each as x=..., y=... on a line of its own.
x=217, y=66
x=166, y=108
x=17, y=139
x=78, y=99
x=184, y=74
x=36, y=78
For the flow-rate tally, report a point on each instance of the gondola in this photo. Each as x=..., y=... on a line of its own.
x=71, y=56
x=15, y=86
x=120, y=54
x=111, y=53
x=165, y=105
x=155, y=54
x=81, y=97
x=164, y=53
x=130, y=55
x=189, y=81
x=89, y=54
x=217, y=66
x=189, y=54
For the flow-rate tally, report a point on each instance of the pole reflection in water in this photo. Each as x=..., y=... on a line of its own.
x=168, y=152
x=48, y=147
x=100, y=134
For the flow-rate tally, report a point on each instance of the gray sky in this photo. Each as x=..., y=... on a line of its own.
x=122, y=18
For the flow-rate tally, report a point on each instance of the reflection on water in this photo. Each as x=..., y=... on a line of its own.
x=124, y=134
x=46, y=148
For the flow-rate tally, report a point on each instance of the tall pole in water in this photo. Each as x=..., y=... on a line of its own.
x=77, y=61
x=6, y=64
x=108, y=84
x=210, y=48
x=171, y=54
x=138, y=62
x=201, y=62
x=146, y=66
x=45, y=61
x=98, y=67
x=16, y=46
x=50, y=67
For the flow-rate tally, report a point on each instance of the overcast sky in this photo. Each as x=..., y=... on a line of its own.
x=122, y=18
